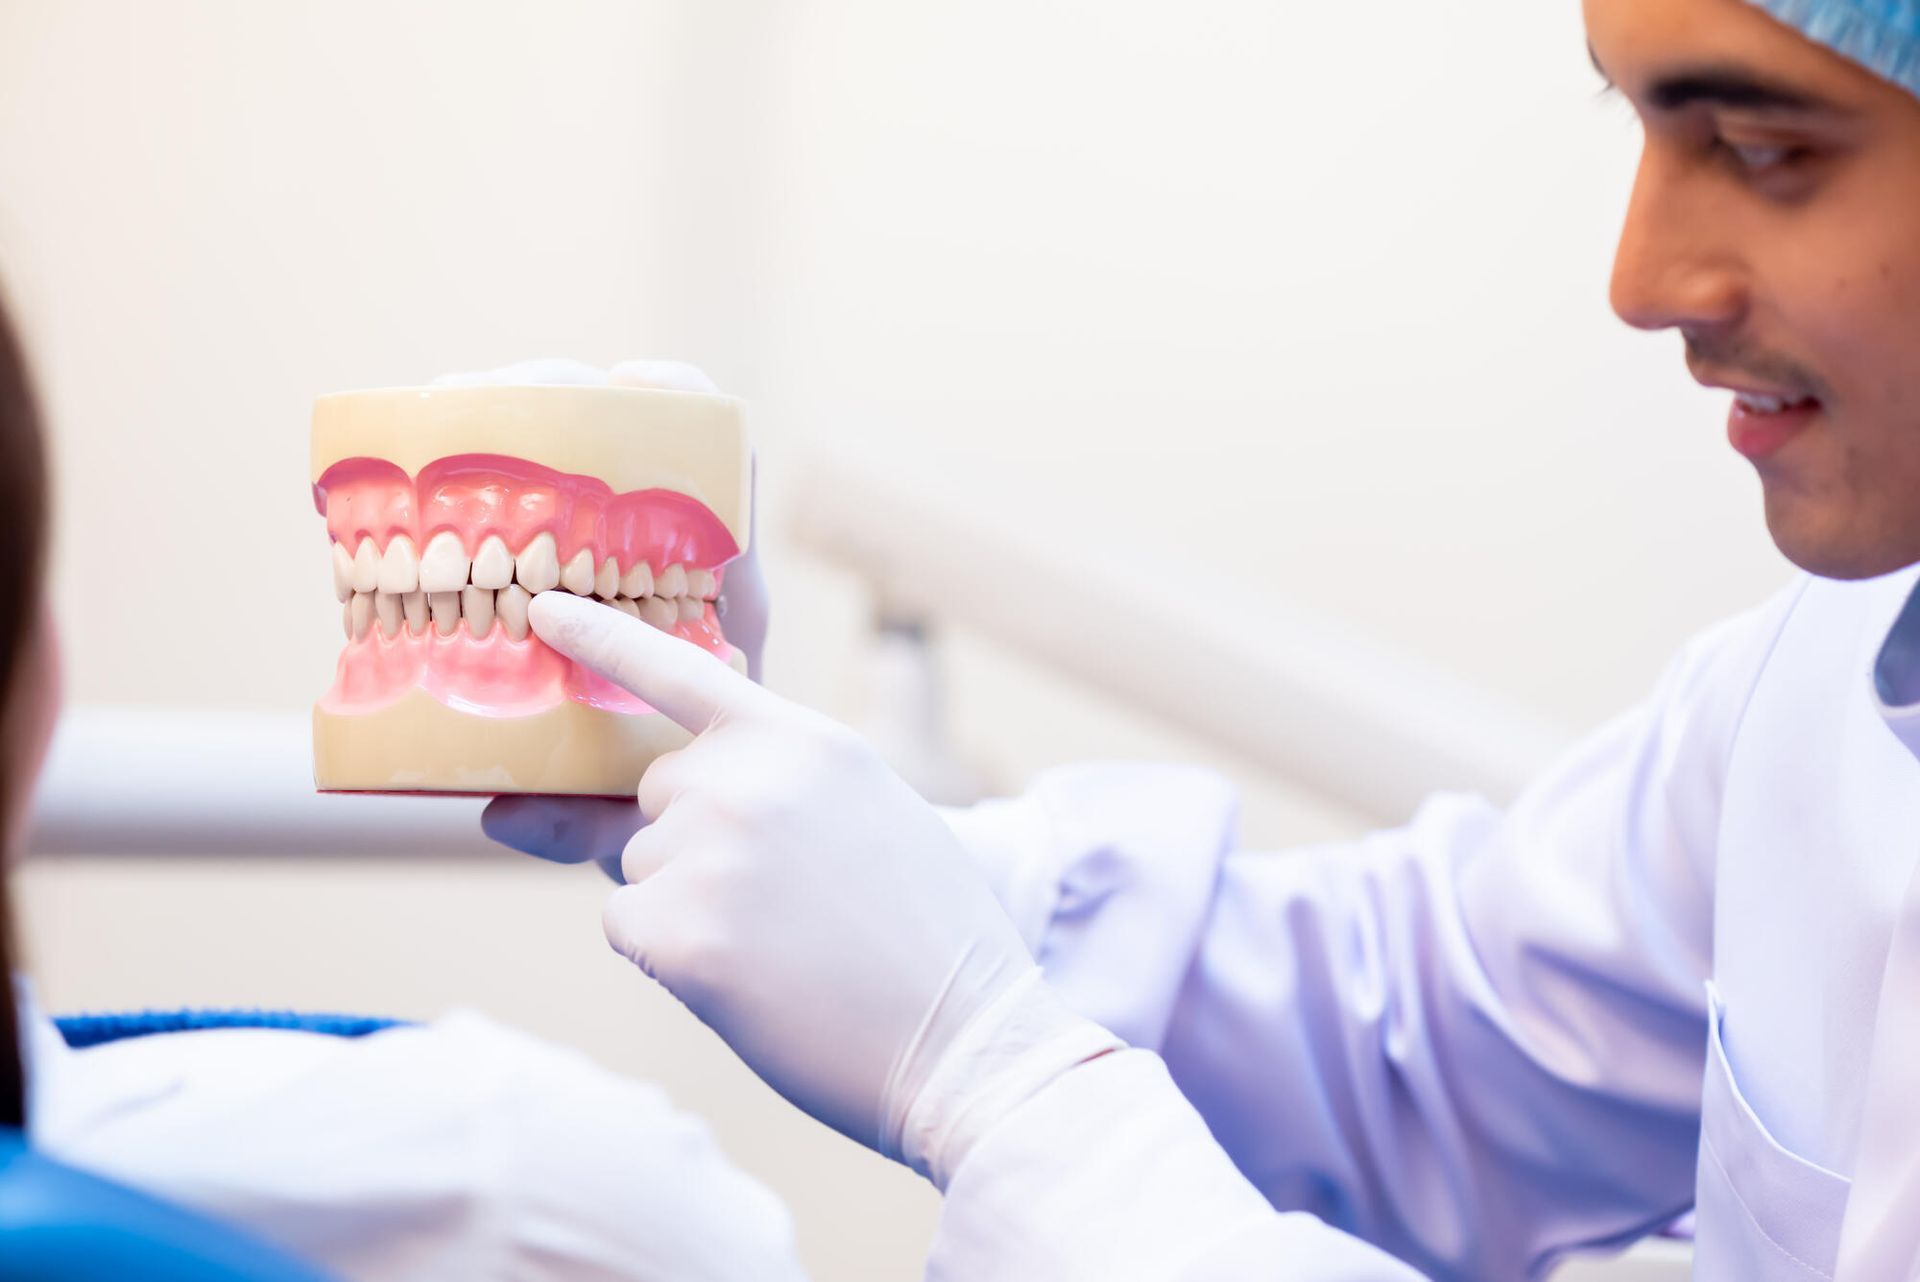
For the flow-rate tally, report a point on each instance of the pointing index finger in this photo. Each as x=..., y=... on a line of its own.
x=679, y=679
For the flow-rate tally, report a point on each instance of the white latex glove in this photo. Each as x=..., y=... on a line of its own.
x=742, y=604
x=811, y=909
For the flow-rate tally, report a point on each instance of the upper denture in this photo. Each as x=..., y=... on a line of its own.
x=481, y=498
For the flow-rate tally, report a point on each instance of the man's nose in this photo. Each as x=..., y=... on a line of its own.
x=1676, y=266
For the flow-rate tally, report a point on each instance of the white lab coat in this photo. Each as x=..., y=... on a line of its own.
x=458, y=1151
x=1486, y=1039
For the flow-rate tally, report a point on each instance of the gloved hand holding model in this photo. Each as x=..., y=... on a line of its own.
x=854, y=946
x=813, y=910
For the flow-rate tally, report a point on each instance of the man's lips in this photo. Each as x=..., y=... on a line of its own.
x=1761, y=428
x=1764, y=418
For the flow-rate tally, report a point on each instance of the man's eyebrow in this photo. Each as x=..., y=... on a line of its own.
x=1731, y=86
x=1723, y=85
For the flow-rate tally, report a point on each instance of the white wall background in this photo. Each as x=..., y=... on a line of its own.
x=1313, y=296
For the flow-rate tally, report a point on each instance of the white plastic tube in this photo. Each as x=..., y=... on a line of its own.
x=159, y=781
x=1343, y=716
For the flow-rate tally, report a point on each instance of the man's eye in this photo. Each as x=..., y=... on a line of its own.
x=1761, y=158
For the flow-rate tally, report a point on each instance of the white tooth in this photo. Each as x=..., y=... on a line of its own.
x=627, y=605
x=691, y=608
x=671, y=581
x=443, y=566
x=492, y=564
x=346, y=616
x=703, y=584
x=414, y=606
x=538, y=566
x=637, y=582
x=400, y=567
x=606, y=584
x=510, y=606
x=366, y=567
x=660, y=612
x=477, y=605
x=386, y=608
x=577, y=578
x=360, y=610
x=342, y=571
x=446, y=611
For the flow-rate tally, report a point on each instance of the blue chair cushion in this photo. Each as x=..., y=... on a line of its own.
x=81, y=1031
x=58, y=1224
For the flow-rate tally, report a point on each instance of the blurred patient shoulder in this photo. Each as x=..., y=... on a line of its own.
x=458, y=1149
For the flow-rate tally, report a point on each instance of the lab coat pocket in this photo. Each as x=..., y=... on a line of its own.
x=1764, y=1214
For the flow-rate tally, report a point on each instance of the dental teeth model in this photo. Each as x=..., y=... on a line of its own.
x=449, y=509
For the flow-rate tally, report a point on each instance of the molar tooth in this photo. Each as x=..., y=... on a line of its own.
x=626, y=605
x=443, y=566
x=660, y=612
x=399, y=568
x=446, y=611
x=703, y=584
x=577, y=578
x=691, y=608
x=510, y=606
x=671, y=581
x=414, y=606
x=637, y=582
x=360, y=612
x=477, y=605
x=342, y=571
x=386, y=608
x=492, y=564
x=606, y=584
x=366, y=567
x=538, y=566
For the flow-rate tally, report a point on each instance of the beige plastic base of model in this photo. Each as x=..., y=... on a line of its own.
x=419, y=744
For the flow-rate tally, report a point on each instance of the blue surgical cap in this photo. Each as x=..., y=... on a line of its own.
x=1881, y=35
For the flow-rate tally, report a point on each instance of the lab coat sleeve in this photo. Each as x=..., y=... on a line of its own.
x=1109, y=1173
x=1476, y=1041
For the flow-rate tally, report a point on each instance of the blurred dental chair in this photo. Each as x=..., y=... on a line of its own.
x=58, y=1224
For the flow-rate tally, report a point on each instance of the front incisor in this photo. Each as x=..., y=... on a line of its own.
x=492, y=564
x=537, y=568
x=366, y=567
x=476, y=604
x=510, y=607
x=399, y=567
x=443, y=566
x=578, y=575
x=638, y=581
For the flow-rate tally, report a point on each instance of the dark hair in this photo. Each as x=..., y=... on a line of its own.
x=23, y=536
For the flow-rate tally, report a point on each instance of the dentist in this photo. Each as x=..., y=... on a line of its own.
x=1682, y=970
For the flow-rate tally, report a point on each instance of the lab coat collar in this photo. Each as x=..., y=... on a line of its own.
x=43, y=1054
x=1896, y=674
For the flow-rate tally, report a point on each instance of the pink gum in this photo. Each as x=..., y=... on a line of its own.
x=477, y=495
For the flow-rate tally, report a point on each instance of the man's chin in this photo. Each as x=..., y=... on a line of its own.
x=1838, y=544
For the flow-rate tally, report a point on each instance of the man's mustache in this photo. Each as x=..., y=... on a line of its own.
x=1731, y=360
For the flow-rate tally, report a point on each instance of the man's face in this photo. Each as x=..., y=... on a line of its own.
x=1776, y=224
